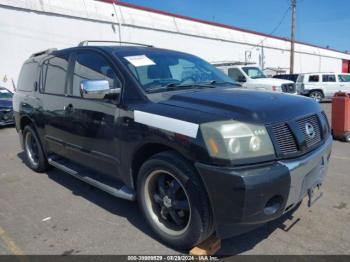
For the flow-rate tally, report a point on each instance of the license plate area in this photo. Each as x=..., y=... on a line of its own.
x=311, y=186
x=314, y=194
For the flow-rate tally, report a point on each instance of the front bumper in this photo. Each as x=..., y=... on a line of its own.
x=243, y=198
x=6, y=118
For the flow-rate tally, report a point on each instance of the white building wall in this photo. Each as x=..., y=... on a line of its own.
x=29, y=26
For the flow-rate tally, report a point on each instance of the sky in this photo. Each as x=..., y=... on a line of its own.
x=320, y=22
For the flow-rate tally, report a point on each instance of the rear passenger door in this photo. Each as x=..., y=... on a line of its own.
x=53, y=78
x=330, y=85
x=91, y=139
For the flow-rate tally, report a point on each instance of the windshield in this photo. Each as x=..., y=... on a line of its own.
x=162, y=70
x=4, y=93
x=254, y=72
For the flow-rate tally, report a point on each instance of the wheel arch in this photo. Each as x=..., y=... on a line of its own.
x=25, y=120
x=317, y=89
x=146, y=151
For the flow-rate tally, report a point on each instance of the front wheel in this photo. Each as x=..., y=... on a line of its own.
x=316, y=95
x=173, y=200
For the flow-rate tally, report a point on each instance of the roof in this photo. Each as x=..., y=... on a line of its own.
x=213, y=23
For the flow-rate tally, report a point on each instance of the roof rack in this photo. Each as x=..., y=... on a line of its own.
x=86, y=42
x=45, y=52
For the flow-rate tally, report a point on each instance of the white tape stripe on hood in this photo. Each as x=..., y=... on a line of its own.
x=166, y=123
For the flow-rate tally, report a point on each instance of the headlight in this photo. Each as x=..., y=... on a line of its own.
x=236, y=140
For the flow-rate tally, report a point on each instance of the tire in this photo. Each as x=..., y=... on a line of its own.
x=32, y=147
x=347, y=138
x=158, y=179
x=316, y=95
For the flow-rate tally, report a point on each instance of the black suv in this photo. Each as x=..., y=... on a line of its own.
x=200, y=154
x=291, y=77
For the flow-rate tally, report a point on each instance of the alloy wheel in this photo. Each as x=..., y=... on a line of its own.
x=167, y=202
x=32, y=149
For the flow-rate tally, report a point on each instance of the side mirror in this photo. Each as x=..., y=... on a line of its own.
x=242, y=79
x=94, y=89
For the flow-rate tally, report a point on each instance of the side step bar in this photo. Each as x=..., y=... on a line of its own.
x=120, y=191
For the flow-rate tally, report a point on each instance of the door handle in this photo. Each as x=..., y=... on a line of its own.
x=68, y=108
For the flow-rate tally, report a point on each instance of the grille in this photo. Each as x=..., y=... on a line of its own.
x=6, y=115
x=313, y=121
x=288, y=88
x=285, y=139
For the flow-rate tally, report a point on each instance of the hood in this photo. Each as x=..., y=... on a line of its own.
x=245, y=105
x=272, y=81
x=6, y=103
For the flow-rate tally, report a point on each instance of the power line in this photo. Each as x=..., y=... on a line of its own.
x=276, y=27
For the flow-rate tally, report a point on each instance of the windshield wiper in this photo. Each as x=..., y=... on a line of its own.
x=214, y=82
x=179, y=86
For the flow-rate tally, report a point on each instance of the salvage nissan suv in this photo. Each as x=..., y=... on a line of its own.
x=201, y=155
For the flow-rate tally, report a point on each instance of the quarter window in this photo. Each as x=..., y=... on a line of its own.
x=328, y=78
x=314, y=78
x=27, y=77
x=53, y=77
x=93, y=66
x=344, y=78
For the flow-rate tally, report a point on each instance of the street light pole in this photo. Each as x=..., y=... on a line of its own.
x=292, y=40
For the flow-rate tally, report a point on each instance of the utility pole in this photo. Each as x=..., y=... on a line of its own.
x=292, y=39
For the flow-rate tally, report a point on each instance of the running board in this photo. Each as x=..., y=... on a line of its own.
x=114, y=188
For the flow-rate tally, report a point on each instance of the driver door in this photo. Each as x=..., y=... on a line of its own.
x=91, y=123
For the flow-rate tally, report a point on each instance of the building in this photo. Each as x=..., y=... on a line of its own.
x=29, y=26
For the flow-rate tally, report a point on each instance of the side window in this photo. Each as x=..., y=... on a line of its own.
x=93, y=66
x=328, y=78
x=53, y=77
x=235, y=74
x=344, y=78
x=27, y=77
x=314, y=78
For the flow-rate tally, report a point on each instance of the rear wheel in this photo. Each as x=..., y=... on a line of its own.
x=33, y=150
x=173, y=200
x=316, y=95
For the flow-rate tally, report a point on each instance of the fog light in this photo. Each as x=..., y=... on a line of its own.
x=273, y=205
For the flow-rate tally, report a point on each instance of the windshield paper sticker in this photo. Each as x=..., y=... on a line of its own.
x=166, y=123
x=139, y=60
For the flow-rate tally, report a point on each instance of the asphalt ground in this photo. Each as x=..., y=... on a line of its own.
x=54, y=213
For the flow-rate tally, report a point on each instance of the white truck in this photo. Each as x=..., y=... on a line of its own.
x=251, y=76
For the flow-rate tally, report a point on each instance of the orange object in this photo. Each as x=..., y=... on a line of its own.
x=341, y=116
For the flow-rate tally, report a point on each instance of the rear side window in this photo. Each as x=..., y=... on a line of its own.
x=27, y=77
x=54, y=73
x=328, y=78
x=314, y=78
x=344, y=78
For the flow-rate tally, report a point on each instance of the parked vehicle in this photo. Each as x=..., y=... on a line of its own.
x=251, y=76
x=320, y=86
x=6, y=110
x=200, y=155
x=291, y=77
